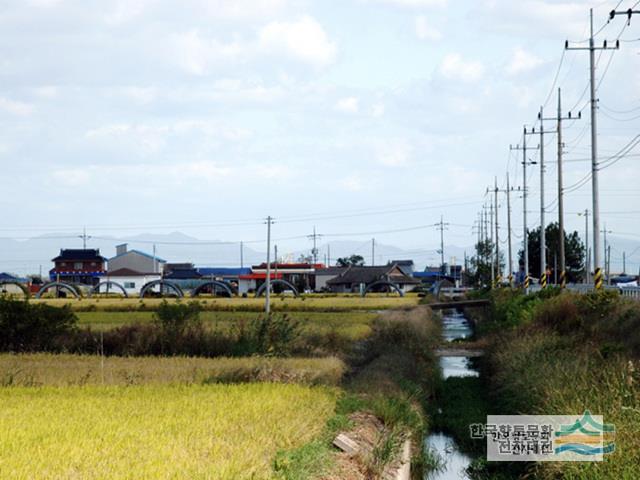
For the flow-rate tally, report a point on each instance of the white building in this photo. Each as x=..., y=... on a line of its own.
x=131, y=280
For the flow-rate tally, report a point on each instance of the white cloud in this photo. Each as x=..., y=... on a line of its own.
x=196, y=53
x=246, y=8
x=303, y=40
x=523, y=96
x=352, y=183
x=153, y=138
x=20, y=109
x=377, y=110
x=348, y=105
x=454, y=67
x=415, y=3
x=126, y=10
x=72, y=177
x=522, y=62
x=393, y=152
x=47, y=91
x=424, y=31
x=141, y=95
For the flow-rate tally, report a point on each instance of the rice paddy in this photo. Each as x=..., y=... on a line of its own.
x=156, y=431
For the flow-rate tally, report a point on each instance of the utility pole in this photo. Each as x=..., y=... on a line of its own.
x=509, y=231
x=314, y=252
x=607, y=249
x=442, y=226
x=629, y=13
x=155, y=262
x=496, y=260
x=84, y=238
x=559, y=118
x=624, y=263
x=241, y=254
x=328, y=254
x=525, y=239
x=493, y=267
x=587, y=260
x=594, y=146
x=543, y=242
x=275, y=261
x=373, y=252
x=267, y=303
x=485, y=224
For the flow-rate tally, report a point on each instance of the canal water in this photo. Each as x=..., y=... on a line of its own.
x=454, y=327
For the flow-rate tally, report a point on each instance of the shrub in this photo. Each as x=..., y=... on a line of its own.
x=267, y=335
x=28, y=327
x=176, y=318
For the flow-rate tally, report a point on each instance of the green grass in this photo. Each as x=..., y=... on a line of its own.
x=67, y=370
x=571, y=354
x=463, y=402
x=153, y=432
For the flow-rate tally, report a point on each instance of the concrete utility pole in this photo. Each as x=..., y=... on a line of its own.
x=328, y=255
x=606, y=250
x=496, y=260
x=624, y=263
x=373, y=252
x=493, y=267
x=241, y=254
x=559, y=118
x=442, y=226
x=587, y=262
x=525, y=239
x=509, y=231
x=267, y=303
x=594, y=146
x=629, y=13
x=495, y=197
x=315, y=237
x=84, y=238
x=275, y=261
x=543, y=224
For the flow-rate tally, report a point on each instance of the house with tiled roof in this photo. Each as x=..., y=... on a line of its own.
x=355, y=279
x=79, y=266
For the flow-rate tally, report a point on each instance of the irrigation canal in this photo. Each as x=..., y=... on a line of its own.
x=455, y=327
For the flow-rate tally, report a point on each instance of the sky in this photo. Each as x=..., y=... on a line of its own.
x=363, y=118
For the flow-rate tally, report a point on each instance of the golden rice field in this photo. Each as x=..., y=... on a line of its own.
x=286, y=304
x=156, y=431
x=43, y=369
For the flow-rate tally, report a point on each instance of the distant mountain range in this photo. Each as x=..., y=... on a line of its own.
x=30, y=256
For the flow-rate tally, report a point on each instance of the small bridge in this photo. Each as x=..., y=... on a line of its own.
x=459, y=352
x=454, y=304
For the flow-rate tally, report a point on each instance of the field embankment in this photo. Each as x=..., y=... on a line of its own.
x=43, y=369
x=564, y=354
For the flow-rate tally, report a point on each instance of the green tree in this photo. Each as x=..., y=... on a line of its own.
x=480, y=264
x=352, y=261
x=573, y=251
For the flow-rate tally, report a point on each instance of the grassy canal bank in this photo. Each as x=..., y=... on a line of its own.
x=552, y=353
